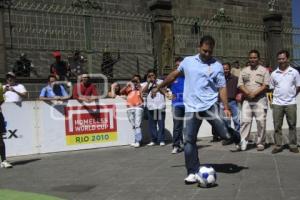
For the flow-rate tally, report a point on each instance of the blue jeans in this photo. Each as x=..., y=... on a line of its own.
x=193, y=123
x=157, y=118
x=235, y=115
x=135, y=117
x=178, y=119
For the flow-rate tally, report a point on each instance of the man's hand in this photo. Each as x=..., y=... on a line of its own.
x=170, y=96
x=154, y=92
x=227, y=113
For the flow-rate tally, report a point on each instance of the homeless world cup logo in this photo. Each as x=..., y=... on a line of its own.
x=90, y=124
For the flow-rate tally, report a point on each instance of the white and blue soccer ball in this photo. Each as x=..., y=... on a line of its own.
x=207, y=176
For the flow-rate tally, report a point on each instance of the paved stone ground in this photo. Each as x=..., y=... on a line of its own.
x=153, y=173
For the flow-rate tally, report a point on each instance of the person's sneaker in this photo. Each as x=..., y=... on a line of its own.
x=294, y=149
x=135, y=145
x=5, y=164
x=243, y=145
x=162, y=144
x=151, y=144
x=277, y=149
x=177, y=150
x=260, y=147
x=191, y=179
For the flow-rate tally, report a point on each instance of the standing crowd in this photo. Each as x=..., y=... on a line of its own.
x=200, y=88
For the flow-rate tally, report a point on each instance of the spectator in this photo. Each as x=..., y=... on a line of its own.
x=76, y=63
x=13, y=92
x=253, y=82
x=236, y=69
x=53, y=91
x=178, y=109
x=4, y=163
x=156, y=106
x=133, y=91
x=85, y=90
x=59, y=68
x=23, y=67
x=115, y=90
x=285, y=81
x=232, y=91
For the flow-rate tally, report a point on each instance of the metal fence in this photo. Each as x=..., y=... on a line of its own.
x=291, y=42
x=39, y=27
x=233, y=40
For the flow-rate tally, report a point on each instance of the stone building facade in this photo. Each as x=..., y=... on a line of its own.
x=145, y=34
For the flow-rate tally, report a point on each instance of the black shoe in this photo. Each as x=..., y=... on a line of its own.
x=215, y=139
x=294, y=150
x=277, y=149
x=226, y=142
x=235, y=136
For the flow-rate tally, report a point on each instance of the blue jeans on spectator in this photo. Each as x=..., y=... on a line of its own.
x=178, y=121
x=157, y=118
x=235, y=114
x=193, y=123
x=135, y=117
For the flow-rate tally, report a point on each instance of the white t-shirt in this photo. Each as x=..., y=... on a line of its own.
x=10, y=96
x=156, y=103
x=284, y=84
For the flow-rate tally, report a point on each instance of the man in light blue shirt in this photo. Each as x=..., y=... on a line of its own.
x=285, y=82
x=53, y=91
x=204, y=80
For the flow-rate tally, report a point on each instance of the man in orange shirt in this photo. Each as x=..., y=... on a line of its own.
x=133, y=91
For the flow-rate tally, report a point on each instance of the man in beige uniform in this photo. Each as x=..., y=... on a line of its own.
x=253, y=82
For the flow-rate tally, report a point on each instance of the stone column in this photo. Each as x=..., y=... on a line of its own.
x=163, y=41
x=2, y=43
x=273, y=29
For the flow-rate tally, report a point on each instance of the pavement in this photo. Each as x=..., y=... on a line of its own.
x=153, y=173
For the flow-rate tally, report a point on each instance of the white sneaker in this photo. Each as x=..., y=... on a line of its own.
x=243, y=145
x=175, y=150
x=135, y=145
x=5, y=164
x=151, y=144
x=162, y=144
x=191, y=179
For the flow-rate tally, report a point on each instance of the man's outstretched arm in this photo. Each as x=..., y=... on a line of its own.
x=170, y=79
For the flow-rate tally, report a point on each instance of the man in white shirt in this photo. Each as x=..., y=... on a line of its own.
x=285, y=82
x=13, y=92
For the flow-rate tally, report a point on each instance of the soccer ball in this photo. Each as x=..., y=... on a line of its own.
x=207, y=176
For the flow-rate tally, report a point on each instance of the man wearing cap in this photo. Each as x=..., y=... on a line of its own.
x=13, y=92
x=59, y=68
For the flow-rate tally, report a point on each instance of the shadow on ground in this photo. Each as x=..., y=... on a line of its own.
x=24, y=162
x=228, y=168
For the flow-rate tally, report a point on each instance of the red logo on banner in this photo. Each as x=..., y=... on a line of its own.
x=90, y=119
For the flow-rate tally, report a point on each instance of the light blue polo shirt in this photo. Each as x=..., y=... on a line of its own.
x=284, y=84
x=202, y=82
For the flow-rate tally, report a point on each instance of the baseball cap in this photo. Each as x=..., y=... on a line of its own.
x=56, y=54
x=11, y=74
